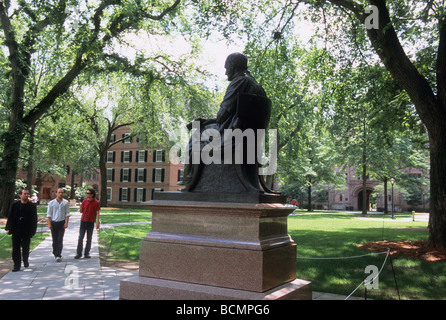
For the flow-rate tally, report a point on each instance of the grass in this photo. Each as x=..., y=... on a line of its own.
x=319, y=238
x=122, y=243
x=335, y=235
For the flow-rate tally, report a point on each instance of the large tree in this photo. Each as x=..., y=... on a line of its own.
x=34, y=28
x=418, y=27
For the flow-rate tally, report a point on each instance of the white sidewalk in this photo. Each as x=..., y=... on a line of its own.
x=75, y=279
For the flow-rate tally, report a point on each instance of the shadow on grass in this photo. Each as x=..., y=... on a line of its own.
x=122, y=243
x=323, y=258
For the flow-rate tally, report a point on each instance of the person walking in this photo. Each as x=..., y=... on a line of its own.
x=90, y=214
x=22, y=225
x=58, y=214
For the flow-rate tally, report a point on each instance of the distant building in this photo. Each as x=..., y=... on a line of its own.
x=350, y=196
x=47, y=183
x=135, y=173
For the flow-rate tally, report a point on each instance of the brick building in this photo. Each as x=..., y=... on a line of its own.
x=349, y=197
x=134, y=173
x=47, y=183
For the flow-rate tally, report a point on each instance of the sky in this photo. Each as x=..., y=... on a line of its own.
x=214, y=50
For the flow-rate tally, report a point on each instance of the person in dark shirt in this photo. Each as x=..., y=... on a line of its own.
x=22, y=225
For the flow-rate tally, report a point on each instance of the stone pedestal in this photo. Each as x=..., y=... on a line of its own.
x=217, y=250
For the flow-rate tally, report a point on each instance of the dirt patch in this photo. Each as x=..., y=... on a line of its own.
x=118, y=264
x=407, y=249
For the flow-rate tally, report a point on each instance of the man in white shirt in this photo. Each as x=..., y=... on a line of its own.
x=58, y=214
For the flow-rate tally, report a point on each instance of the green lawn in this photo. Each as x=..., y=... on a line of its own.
x=122, y=243
x=320, y=238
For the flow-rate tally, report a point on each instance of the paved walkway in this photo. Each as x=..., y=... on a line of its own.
x=75, y=279
x=46, y=279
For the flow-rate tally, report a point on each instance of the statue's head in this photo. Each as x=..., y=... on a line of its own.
x=235, y=63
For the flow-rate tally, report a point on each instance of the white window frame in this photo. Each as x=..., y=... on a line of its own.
x=124, y=191
x=140, y=175
x=109, y=193
x=158, y=174
x=110, y=156
x=142, y=154
x=125, y=172
x=139, y=194
x=109, y=175
x=125, y=155
x=159, y=155
x=126, y=138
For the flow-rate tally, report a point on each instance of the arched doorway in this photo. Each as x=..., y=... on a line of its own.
x=368, y=192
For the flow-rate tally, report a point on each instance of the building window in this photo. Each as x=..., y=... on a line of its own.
x=110, y=175
x=124, y=194
x=126, y=156
x=159, y=156
x=141, y=156
x=140, y=195
x=110, y=156
x=141, y=175
x=180, y=174
x=109, y=194
x=158, y=175
x=125, y=175
x=340, y=197
x=126, y=137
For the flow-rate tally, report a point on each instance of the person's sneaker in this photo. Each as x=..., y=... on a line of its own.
x=58, y=259
x=26, y=264
x=77, y=256
x=16, y=269
x=87, y=256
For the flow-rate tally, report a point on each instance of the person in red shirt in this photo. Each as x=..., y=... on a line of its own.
x=90, y=214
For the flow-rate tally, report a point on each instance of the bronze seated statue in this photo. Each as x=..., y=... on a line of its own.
x=241, y=174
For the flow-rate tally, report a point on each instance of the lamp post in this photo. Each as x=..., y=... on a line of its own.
x=392, y=181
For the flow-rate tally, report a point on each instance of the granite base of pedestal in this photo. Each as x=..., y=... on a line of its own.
x=145, y=288
x=217, y=250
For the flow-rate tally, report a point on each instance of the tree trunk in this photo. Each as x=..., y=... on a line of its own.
x=103, y=171
x=364, y=181
x=9, y=164
x=364, y=190
x=72, y=191
x=30, y=166
x=437, y=217
x=385, y=196
x=309, y=198
x=429, y=102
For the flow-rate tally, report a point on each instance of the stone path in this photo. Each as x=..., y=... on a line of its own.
x=46, y=279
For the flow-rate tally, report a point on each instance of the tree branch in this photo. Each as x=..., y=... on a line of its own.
x=386, y=44
x=59, y=88
x=441, y=63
